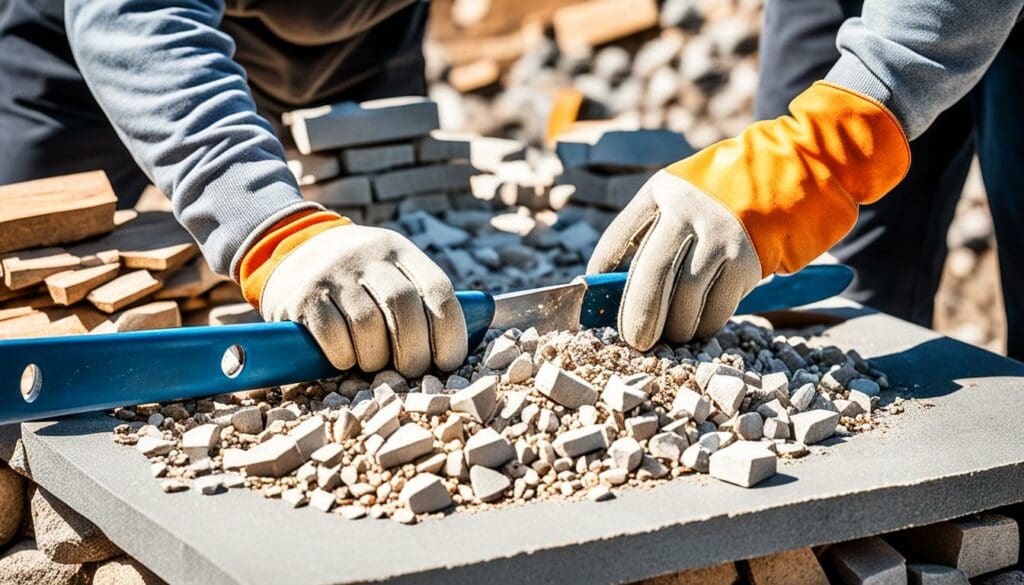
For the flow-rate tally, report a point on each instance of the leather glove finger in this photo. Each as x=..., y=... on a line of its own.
x=325, y=321
x=400, y=304
x=366, y=324
x=448, y=334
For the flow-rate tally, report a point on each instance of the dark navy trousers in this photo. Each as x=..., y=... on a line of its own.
x=898, y=247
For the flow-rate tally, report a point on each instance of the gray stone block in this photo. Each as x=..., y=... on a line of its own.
x=611, y=192
x=354, y=124
x=975, y=545
x=372, y=159
x=564, y=387
x=425, y=493
x=868, y=561
x=351, y=191
x=429, y=179
x=408, y=443
x=623, y=149
x=926, y=574
x=488, y=449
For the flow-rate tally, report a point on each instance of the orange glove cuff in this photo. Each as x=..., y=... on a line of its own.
x=795, y=183
x=282, y=238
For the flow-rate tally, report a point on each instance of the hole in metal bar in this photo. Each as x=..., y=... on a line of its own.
x=233, y=361
x=31, y=382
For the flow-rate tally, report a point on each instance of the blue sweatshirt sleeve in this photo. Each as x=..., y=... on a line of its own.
x=164, y=75
x=919, y=57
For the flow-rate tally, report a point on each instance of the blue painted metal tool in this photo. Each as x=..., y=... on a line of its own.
x=67, y=375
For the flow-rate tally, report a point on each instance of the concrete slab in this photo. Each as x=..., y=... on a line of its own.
x=914, y=471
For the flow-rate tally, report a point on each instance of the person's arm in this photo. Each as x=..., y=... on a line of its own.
x=165, y=78
x=919, y=57
x=703, y=230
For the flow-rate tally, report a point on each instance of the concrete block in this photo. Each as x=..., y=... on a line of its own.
x=309, y=436
x=744, y=463
x=353, y=124
x=926, y=574
x=814, y=426
x=727, y=392
x=564, y=387
x=385, y=421
x=434, y=203
x=484, y=153
x=197, y=442
x=624, y=393
x=314, y=168
x=622, y=149
x=431, y=404
x=868, y=561
x=610, y=192
x=581, y=441
x=669, y=446
x=64, y=535
x=479, y=400
x=693, y=404
x=488, y=485
x=429, y=179
x=408, y=443
x=792, y=567
x=488, y=449
x=626, y=453
x=275, y=457
x=642, y=427
x=425, y=493
x=353, y=191
x=975, y=544
x=371, y=159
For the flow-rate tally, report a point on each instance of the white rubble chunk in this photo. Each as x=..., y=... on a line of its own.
x=346, y=425
x=501, y=353
x=488, y=449
x=642, y=427
x=651, y=468
x=479, y=399
x=385, y=421
x=513, y=404
x=152, y=446
x=775, y=383
x=744, y=463
x=408, y=443
x=488, y=485
x=626, y=453
x=274, y=457
x=600, y=493
x=707, y=370
x=432, y=463
x=716, y=440
x=693, y=404
x=697, y=458
x=668, y=446
x=197, y=442
x=321, y=500
x=431, y=404
x=749, y=426
x=581, y=441
x=521, y=369
x=861, y=399
x=450, y=429
x=727, y=392
x=803, y=396
x=624, y=393
x=294, y=497
x=814, y=426
x=209, y=485
x=329, y=455
x=774, y=428
x=309, y=436
x=425, y=493
x=564, y=387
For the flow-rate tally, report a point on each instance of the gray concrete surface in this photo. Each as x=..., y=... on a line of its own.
x=924, y=466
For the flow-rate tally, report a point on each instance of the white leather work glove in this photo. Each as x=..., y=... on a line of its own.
x=368, y=295
x=692, y=263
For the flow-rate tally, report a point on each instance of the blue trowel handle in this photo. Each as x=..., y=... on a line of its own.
x=73, y=374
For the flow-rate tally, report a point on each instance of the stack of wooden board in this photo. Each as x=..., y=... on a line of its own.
x=71, y=263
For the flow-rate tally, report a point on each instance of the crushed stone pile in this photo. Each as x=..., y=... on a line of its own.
x=564, y=415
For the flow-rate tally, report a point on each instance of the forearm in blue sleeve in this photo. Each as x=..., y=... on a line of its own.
x=165, y=78
x=919, y=57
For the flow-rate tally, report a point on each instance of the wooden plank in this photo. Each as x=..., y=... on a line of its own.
x=30, y=267
x=58, y=210
x=194, y=279
x=37, y=298
x=71, y=286
x=225, y=293
x=153, y=241
x=234, y=314
x=123, y=291
x=155, y=315
x=40, y=324
x=583, y=26
x=15, y=312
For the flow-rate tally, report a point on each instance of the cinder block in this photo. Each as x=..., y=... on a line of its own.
x=344, y=192
x=868, y=561
x=353, y=124
x=428, y=179
x=371, y=159
x=975, y=544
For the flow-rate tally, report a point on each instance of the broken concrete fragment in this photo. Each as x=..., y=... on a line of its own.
x=669, y=446
x=600, y=493
x=450, y=429
x=479, y=399
x=309, y=436
x=431, y=404
x=564, y=387
x=329, y=455
x=521, y=369
x=697, y=457
x=749, y=426
x=197, y=442
x=294, y=497
x=692, y=404
x=432, y=463
x=793, y=567
x=405, y=445
x=273, y=458
x=744, y=463
x=64, y=535
x=501, y=353
x=209, y=485
x=626, y=453
x=455, y=466
x=802, y=398
x=774, y=428
x=488, y=485
x=321, y=500
x=152, y=446
x=248, y=420
x=488, y=449
x=642, y=427
x=513, y=404
x=974, y=544
x=868, y=561
x=624, y=393
x=861, y=399
x=814, y=426
x=651, y=468
x=385, y=421
x=925, y=574
x=425, y=493
x=580, y=441
x=345, y=426
x=727, y=392
x=706, y=370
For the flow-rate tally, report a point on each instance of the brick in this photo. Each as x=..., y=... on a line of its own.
x=693, y=404
x=354, y=124
x=975, y=544
x=488, y=449
x=727, y=393
x=622, y=149
x=408, y=443
x=868, y=561
x=434, y=203
x=344, y=192
x=372, y=159
x=581, y=441
x=425, y=493
x=744, y=463
x=275, y=457
x=479, y=399
x=814, y=426
x=564, y=387
x=793, y=567
x=426, y=179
